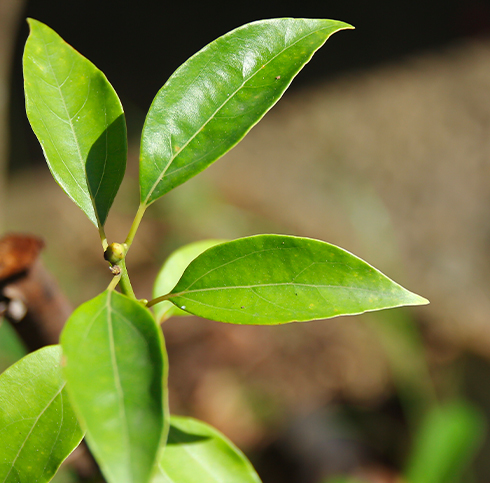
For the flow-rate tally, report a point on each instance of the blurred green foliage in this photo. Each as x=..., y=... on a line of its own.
x=11, y=347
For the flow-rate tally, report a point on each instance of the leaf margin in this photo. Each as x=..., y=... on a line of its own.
x=94, y=445
x=176, y=295
x=83, y=197
x=51, y=353
x=148, y=198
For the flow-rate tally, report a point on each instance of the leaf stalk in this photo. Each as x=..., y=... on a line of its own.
x=103, y=238
x=115, y=280
x=162, y=298
x=136, y=223
x=125, y=283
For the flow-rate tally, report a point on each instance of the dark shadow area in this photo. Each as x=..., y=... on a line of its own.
x=176, y=436
x=106, y=164
x=138, y=47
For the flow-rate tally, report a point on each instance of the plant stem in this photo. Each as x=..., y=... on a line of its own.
x=125, y=283
x=115, y=280
x=159, y=299
x=103, y=238
x=136, y=223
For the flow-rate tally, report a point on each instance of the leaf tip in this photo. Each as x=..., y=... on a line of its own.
x=340, y=25
x=348, y=26
x=415, y=299
x=32, y=22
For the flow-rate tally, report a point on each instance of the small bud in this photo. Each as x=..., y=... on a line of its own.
x=115, y=270
x=115, y=252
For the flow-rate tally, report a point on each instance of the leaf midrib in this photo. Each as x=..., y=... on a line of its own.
x=118, y=385
x=162, y=175
x=32, y=429
x=279, y=284
x=58, y=435
x=70, y=121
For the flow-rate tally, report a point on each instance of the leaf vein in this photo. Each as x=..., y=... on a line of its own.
x=117, y=381
x=31, y=430
x=57, y=436
x=228, y=99
x=279, y=284
x=239, y=258
x=77, y=143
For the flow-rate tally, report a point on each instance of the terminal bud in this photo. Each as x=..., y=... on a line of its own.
x=115, y=252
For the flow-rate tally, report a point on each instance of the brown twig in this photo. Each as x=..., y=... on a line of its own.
x=32, y=300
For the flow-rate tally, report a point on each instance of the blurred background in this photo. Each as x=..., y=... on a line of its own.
x=381, y=146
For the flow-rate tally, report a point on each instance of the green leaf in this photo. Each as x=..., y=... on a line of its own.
x=445, y=444
x=171, y=271
x=211, y=101
x=198, y=453
x=116, y=371
x=78, y=119
x=38, y=428
x=274, y=279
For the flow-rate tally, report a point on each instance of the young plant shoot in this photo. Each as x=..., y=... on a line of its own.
x=107, y=380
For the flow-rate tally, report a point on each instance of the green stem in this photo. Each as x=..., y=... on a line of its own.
x=103, y=238
x=136, y=223
x=159, y=299
x=115, y=280
x=125, y=283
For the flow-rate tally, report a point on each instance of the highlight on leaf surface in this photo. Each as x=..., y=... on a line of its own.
x=38, y=428
x=116, y=372
x=275, y=279
x=198, y=453
x=210, y=103
x=78, y=119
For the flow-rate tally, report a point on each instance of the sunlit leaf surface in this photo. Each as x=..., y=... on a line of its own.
x=210, y=103
x=38, y=428
x=115, y=367
x=78, y=119
x=274, y=279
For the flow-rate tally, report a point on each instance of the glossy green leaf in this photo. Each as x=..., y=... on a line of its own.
x=116, y=370
x=274, y=279
x=210, y=103
x=198, y=453
x=171, y=271
x=78, y=119
x=445, y=444
x=38, y=428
